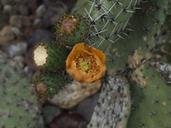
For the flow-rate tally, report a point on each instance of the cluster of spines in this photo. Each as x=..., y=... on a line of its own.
x=79, y=30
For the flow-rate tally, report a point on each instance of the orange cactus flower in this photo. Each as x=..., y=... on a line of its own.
x=86, y=64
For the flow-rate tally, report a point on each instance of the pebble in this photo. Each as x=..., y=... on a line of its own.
x=16, y=49
x=40, y=35
x=89, y=103
x=72, y=120
x=6, y=35
x=7, y=8
x=16, y=21
x=16, y=31
x=41, y=10
x=54, y=11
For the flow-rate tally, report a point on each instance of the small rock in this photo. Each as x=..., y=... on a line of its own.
x=23, y=10
x=16, y=31
x=37, y=22
x=73, y=93
x=49, y=112
x=16, y=49
x=6, y=2
x=40, y=35
x=16, y=21
x=7, y=8
x=41, y=10
x=54, y=11
x=6, y=35
x=68, y=120
x=89, y=103
x=19, y=21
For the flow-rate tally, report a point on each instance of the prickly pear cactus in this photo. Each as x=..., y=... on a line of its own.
x=108, y=19
x=146, y=24
x=151, y=105
x=19, y=107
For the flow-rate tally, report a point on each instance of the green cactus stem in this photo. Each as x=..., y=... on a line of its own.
x=49, y=56
x=52, y=81
x=72, y=29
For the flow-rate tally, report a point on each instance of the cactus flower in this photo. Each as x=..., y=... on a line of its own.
x=86, y=64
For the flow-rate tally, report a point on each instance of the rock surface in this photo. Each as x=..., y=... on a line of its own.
x=75, y=92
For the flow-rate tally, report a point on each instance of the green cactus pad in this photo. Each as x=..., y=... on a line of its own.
x=50, y=56
x=146, y=24
x=18, y=107
x=151, y=105
x=72, y=29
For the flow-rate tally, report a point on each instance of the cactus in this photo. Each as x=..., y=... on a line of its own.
x=19, y=107
x=146, y=24
x=53, y=81
x=49, y=56
x=113, y=106
x=151, y=105
x=108, y=20
x=72, y=29
x=109, y=23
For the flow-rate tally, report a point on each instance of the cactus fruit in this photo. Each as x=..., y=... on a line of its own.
x=113, y=106
x=49, y=56
x=151, y=105
x=18, y=107
x=72, y=29
x=108, y=19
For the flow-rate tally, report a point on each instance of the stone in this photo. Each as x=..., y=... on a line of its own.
x=23, y=10
x=89, y=103
x=7, y=8
x=73, y=93
x=40, y=35
x=16, y=49
x=16, y=21
x=55, y=9
x=41, y=10
x=6, y=35
x=68, y=120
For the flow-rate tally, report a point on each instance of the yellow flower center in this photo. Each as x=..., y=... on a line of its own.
x=87, y=63
x=84, y=66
